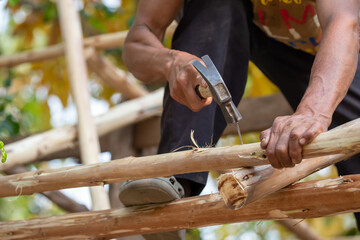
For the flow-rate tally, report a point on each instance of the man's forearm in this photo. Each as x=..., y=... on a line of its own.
x=145, y=56
x=333, y=69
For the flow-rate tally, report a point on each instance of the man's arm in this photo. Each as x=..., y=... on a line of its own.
x=331, y=75
x=150, y=61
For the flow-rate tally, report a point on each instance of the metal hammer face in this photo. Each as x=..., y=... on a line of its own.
x=218, y=89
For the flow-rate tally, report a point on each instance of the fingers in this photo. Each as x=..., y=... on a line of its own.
x=288, y=135
x=295, y=147
x=264, y=138
x=275, y=152
x=183, y=81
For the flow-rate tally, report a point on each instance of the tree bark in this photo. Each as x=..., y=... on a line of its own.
x=303, y=200
x=197, y=160
x=38, y=146
x=104, y=41
x=115, y=78
x=88, y=137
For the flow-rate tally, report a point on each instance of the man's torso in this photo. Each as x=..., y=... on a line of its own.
x=293, y=22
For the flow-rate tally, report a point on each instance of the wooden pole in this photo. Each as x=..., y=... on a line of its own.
x=196, y=160
x=250, y=184
x=112, y=76
x=104, y=41
x=303, y=200
x=89, y=142
x=58, y=198
x=30, y=149
x=247, y=185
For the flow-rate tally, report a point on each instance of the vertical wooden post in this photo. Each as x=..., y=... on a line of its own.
x=89, y=143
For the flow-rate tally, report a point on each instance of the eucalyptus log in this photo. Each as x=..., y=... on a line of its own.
x=104, y=41
x=115, y=78
x=303, y=200
x=258, y=114
x=89, y=141
x=58, y=198
x=38, y=146
x=250, y=184
x=196, y=160
x=241, y=187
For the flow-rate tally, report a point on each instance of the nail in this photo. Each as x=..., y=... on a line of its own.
x=302, y=141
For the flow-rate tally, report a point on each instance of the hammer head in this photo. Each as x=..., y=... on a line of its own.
x=218, y=89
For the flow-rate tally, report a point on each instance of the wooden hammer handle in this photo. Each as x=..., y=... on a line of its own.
x=203, y=92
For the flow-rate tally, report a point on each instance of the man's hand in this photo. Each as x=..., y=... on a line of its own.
x=285, y=139
x=183, y=79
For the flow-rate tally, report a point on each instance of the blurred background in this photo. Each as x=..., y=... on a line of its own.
x=35, y=97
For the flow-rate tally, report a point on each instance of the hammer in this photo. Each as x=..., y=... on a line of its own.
x=218, y=90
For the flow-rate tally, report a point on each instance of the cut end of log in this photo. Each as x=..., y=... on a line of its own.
x=232, y=191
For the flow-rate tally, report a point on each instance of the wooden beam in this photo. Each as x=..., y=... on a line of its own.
x=303, y=200
x=39, y=146
x=88, y=138
x=115, y=78
x=258, y=114
x=58, y=198
x=196, y=160
x=104, y=41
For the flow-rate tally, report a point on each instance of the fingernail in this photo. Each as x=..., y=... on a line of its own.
x=302, y=141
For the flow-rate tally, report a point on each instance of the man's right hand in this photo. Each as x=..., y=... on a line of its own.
x=183, y=79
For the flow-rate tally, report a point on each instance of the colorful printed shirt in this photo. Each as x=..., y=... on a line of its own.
x=293, y=22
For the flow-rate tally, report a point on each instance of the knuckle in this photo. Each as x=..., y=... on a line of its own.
x=295, y=134
x=281, y=149
x=182, y=80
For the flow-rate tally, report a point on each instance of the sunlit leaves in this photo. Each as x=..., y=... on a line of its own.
x=3, y=152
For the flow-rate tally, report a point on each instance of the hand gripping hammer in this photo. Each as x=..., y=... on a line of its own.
x=218, y=91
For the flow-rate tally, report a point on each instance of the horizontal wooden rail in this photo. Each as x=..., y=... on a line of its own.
x=303, y=200
x=196, y=160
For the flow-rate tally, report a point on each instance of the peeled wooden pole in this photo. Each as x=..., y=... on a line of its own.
x=104, y=41
x=196, y=160
x=30, y=149
x=58, y=198
x=303, y=200
x=247, y=185
x=89, y=141
x=116, y=78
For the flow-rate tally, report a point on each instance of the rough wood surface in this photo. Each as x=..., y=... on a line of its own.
x=104, y=41
x=247, y=185
x=115, y=78
x=302, y=200
x=88, y=138
x=196, y=160
x=147, y=133
x=38, y=146
x=58, y=198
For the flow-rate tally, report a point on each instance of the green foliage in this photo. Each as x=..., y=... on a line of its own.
x=3, y=152
x=13, y=2
x=193, y=234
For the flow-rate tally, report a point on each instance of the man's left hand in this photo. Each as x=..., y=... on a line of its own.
x=287, y=136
